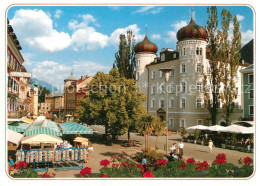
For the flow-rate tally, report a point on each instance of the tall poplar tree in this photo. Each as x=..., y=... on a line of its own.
x=212, y=78
x=125, y=57
x=230, y=56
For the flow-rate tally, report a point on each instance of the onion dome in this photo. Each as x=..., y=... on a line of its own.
x=71, y=77
x=192, y=31
x=146, y=46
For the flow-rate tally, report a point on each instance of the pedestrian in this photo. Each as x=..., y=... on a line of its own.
x=173, y=148
x=11, y=164
x=181, y=146
x=211, y=145
x=144, y=163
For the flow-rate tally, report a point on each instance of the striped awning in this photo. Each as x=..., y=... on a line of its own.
x=18, y=126
x=42, y=130
x=75, y=128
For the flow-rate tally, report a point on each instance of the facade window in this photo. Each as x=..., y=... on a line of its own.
x=251, y=94
x=251, y=109
x=183, y=68
x=199, y=103
x=172, y=73
x=250, y=78
x=171, y=103
x=183, y=103
x=183, y=87
x=161, y=74
x=199, y=86
x=161, y=103
x=171, y=88
x=162, y=89
x=137, y=76
x=153, y=89
x=171, y=122
x=199, y=67
x=152, y=103
x=182, y=122
x=162, y=57
x=153, y=75
x=138, y=63
x=199, y=121
x=184, y=51
x=181, y=53
x=198, y=51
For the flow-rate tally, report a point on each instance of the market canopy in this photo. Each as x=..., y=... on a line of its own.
x=14, y=137
x=75, y=128
x=43, y=127
x=216, y=128
x=41, y=138
x=235, y=129
x=249, y=130
x=199, y=127
x=18, y=126
x=244, y=123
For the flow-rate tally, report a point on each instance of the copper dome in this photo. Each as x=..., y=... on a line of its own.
x=146, y=46
x=192, y=31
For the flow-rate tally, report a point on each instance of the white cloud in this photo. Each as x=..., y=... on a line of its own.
x=179, y=24
x=58, y=13
x=171, y=37
x=240, y=17
x=148, y=10
x=246, y=36
x=35, y=28
x=114, y=7
x=156, y=36
x=114, y=37
x=54, y=73
x=89, y=39
x=86, y=19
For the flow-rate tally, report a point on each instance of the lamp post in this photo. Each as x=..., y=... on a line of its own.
x=166, y=72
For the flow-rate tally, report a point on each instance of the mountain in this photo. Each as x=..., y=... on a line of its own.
x=43, y=84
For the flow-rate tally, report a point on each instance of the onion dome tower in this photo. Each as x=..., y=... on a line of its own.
x=145, y=53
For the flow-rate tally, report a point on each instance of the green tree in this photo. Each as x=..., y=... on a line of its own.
x=230, y=56
x=159, y=129
x=42, y=92
x=213, y=75
x=125, y=57
x=113, y=102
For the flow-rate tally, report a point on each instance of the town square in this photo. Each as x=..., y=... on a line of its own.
x=103, y=92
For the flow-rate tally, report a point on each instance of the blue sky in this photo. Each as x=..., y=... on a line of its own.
x=57, y=39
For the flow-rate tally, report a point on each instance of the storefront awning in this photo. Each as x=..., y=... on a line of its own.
x=75, y=128
x=41, y=138
x=18, y=126
x=14, y=137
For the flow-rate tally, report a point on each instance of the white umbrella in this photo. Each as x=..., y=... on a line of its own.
x=249, y=130
x=216, y=128
x=235, y=129
x=199, y=127
x=41, y=138
x=68, y=115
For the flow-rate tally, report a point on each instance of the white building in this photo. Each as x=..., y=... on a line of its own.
x=186, y=99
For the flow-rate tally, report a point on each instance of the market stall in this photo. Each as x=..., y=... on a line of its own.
x=75, y=128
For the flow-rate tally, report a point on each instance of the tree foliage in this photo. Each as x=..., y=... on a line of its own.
x=42, y=92
x=112, y=102
x=125, y=57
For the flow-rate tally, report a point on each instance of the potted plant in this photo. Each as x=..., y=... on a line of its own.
x=223, y=144
x=202, y=141
x=196, y=135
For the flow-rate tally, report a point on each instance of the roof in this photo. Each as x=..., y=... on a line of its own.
x=41, y=138
x=145, y=46
x=248, y=69
x=247, y=52
x=71, y=77
x=14, y=137
x=44, y=127
x=75, y=128
x=18, y=126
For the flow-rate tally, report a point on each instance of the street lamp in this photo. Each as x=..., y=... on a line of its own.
x=166, y=72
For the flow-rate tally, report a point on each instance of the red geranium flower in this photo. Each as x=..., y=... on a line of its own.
x=115, y=165
x=113, y=157
x=190, y=160
x=248, y=160
x=46, y=175
x=183, y=166
x=221, y=158
x=85, y=172
x=104, y=176
x=148, y=174
x=130, y=165
x=140, y=166
x=21, y=164
x=161, y=162
x=124, y=164
x=104, y=162
x=203, y=166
